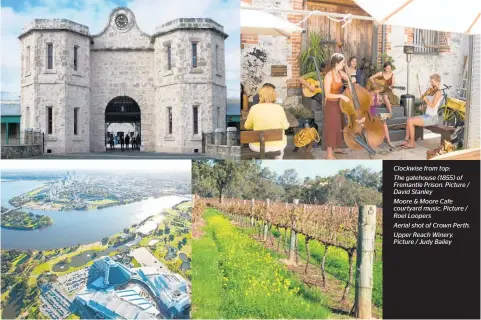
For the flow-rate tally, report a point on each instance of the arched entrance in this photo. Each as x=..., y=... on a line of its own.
x=122, y=119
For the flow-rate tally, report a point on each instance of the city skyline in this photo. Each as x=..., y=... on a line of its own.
x=100, y=165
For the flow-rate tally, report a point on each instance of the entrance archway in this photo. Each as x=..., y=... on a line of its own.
x=122, y=118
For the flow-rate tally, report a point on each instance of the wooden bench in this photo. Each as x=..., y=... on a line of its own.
x=262, y=137
x=467, y=154
x=444, y=131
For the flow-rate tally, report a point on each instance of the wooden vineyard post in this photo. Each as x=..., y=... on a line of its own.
x=365, y=261
x=266, y=223
x=292, y=247
x=252, y=212
x=193, y=200
x=246, y=218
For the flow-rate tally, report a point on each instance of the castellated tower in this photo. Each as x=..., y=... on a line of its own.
x=190, y=86
x=168, y=87
x=55, y=83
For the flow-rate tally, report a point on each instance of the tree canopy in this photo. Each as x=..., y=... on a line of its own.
x=250, y=180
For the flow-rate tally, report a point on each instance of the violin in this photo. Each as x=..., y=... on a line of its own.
x=430, y=92
x=363, y=130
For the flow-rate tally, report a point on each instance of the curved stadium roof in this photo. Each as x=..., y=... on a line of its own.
x=118, y=275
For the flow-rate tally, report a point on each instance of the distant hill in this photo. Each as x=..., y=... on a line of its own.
x=233, y=106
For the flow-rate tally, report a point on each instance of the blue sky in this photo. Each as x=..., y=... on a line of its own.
x=95, y=14
x=322, y=168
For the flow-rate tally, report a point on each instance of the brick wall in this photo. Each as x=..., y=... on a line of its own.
x=295, y=41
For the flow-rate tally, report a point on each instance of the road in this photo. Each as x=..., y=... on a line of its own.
x=13, y=209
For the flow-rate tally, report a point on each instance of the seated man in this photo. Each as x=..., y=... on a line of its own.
x=314, y=76
x=268, y=115
x=430, y=118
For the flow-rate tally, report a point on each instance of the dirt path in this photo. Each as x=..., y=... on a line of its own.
x=197, y=228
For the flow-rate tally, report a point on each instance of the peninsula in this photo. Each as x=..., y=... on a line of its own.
x=21, y=220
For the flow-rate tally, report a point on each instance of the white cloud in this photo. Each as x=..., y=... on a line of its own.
x=95, y=13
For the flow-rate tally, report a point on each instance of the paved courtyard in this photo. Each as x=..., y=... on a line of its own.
x=431, y=141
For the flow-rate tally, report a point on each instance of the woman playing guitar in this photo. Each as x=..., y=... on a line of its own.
x=386, y=76
x=332, y=129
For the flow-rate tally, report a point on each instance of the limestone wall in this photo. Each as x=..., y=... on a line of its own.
x=449, y=65
x=60, y=87
x=185, y=86
x=124, y=61
x=112, y=37
x=17, y=152
x=121, y=73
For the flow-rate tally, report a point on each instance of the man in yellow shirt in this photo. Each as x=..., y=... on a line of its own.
x=268, y=115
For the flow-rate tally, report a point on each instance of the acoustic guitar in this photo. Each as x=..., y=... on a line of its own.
x=308, y=93
x=383, y=85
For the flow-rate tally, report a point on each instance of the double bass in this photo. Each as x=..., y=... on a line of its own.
x=363, y=130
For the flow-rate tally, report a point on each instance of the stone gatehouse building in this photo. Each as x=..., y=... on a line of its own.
x=169, y=85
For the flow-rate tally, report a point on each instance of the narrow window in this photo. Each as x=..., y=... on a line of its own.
x=196, y=119
x=75, y=121
x=218, y=117
x=169, y=58
x=28, y=59
x=217, y=66
x=49, y=56
x=49, y=120
x=75, y=52
x=169, y=114
x=194, y=55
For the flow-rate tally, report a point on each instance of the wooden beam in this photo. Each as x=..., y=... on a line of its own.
x=472, y=24
x=383, y=21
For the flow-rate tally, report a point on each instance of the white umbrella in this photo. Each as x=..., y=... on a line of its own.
x=460, y=16
x=258, y=22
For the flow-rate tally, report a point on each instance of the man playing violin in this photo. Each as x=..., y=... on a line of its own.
x=430, y=118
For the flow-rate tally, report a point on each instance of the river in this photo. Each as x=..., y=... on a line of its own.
x=77, y=227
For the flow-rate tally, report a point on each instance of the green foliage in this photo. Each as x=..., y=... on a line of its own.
x=367, y=67
x=22, y=220
x=251, y=181
x=387, y=58
x=337, y=262
x=253, y=284
x=207, y=295
x=135, y=263
x=313, y=48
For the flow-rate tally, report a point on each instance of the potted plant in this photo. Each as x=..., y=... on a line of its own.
x=314, y=46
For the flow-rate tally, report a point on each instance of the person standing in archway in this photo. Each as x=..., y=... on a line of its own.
x=127, y=141
x=122, y=141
